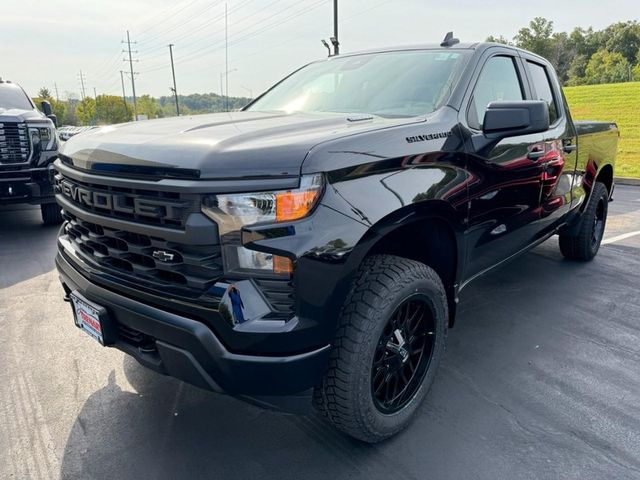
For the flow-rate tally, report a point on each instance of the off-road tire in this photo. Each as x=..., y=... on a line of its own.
x=345, y=396
x=51, y=213
x=585, y=243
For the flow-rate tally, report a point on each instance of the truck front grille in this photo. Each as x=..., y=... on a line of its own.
x=169, y=209
x=156, y=253
x=151, y=262
x=14, y=143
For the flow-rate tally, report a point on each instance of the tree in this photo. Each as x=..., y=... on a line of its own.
x=111, y=109
x=149, y=106
x=44, y=93
x=624, y=38
x=537, y=37
x=86, y=111
x=576, y=69
x=561, y=55
x=607, y=67
x=499, y=39
x=636, y=73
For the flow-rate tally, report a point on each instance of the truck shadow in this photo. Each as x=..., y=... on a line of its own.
x=28, y=247
x=518, y=341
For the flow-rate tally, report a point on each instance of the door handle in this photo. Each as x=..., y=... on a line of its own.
x=535, y=154
x=568, y=146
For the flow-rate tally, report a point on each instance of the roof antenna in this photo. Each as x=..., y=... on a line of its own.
x=449, y=41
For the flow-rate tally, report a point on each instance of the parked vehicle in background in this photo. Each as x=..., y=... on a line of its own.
x=28, y=147
x=67, y=131
x=312, y=246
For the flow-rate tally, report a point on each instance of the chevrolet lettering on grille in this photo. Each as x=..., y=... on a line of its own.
x=121, y=202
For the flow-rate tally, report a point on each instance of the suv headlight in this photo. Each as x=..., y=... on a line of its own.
x=43, y=137
x=233, y=211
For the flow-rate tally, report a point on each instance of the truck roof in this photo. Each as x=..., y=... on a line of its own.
x=437, y=46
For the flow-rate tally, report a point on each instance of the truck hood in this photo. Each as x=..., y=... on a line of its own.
x=220, y=145
x=16, y=115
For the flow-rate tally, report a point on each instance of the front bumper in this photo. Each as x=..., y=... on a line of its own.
x=29, y=185
x=190, y=351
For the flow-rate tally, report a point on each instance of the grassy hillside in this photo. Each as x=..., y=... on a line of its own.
x=619, y=102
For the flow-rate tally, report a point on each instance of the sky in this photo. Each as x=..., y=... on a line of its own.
x=46, y=43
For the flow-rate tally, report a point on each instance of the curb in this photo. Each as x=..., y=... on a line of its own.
x=627, y=181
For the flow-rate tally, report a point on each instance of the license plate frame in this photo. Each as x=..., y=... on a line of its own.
x=90, y=317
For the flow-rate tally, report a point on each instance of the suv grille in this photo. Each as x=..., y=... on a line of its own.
x=168, y=209
x=14, y=143
x=192, y=268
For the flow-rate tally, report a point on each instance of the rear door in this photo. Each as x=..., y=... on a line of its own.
x=504, y=197
x=559, y=143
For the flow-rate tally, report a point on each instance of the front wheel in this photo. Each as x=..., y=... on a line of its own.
x=585, y=243
x=390, y=339
x=51, y=214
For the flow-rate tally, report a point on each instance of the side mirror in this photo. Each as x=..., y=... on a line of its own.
x=46, y=109
x=509, y=119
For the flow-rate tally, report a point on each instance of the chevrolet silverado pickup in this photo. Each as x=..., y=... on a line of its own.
x=310, y=249
x=28, y=147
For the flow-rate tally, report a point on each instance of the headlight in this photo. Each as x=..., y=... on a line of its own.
x=43, y=137
x=234, y=211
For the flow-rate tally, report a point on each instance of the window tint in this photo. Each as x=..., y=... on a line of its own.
x=543, y=89
x=498, y=81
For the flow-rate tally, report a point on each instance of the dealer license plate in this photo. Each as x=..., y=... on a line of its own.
x=87, y=317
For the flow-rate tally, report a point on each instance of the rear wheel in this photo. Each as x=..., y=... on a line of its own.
x=388, y=345
x=585, y=243
x=51, y=214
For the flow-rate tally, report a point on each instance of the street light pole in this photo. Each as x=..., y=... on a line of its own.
x=173, y=73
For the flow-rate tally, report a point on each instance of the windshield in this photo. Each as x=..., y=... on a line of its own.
x=392, y=84
x=12, y=96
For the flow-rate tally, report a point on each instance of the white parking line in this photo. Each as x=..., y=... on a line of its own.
x=617, y=238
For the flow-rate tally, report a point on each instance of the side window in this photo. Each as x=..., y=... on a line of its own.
x=498, y=81
x=543, y=89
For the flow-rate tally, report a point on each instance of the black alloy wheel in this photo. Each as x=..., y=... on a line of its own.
x=403, y=355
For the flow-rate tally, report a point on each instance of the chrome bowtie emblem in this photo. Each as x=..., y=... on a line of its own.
x=163, y=256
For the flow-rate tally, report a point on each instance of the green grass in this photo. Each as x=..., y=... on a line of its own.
x=618, y=102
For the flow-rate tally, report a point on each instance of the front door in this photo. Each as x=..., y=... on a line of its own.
x=504, y=196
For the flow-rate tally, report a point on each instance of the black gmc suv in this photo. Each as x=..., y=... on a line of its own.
x=310, y=249
x=28, y=147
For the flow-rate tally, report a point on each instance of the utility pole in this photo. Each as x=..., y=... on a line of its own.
x=133, y=80
x=95, y=95
x=55, y=85
x=82, y=85
x=124, y=96
x=226, y=57
x=334, y=40
x=173, y=73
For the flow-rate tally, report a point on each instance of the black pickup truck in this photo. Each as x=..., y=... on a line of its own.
x=310, y=249
x=28, y=147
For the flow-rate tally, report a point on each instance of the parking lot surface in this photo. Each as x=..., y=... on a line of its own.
x=541, y=379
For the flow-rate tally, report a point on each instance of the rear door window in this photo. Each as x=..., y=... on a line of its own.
x=543, y=90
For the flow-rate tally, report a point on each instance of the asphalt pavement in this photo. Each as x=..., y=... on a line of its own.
x=541, y=379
